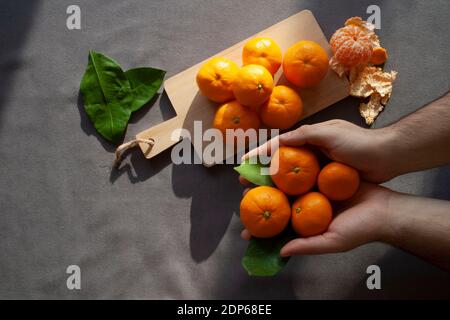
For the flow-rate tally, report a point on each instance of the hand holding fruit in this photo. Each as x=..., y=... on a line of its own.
x=295, y=170
x=342, y=141
x=358, y=221
x=375, y=213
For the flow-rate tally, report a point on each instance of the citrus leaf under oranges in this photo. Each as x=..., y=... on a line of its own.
x=252, y=172
x=262, y=257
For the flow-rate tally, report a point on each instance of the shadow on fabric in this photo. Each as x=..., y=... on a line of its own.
x=403, y=277
x=137, y=168
x=215, y=194
x=16, y=18
x=441, y=188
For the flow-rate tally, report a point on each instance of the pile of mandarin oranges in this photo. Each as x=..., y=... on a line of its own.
x=248, y=96
x=249, y=99
x=266, y=211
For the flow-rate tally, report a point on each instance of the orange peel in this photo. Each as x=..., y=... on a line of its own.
x=366, y=80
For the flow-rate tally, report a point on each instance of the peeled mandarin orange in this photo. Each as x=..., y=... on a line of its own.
x=351, y=46
x=215, y=79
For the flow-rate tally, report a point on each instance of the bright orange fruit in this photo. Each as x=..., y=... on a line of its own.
x=263, y=51
x=215, y=79
x=265, y=211
x=233, y=115
x=305, y=64
x=379, y=56
x=311, y=214
x=351, y=46
x=338, y=181
x=283, y=109
x=294, y=170
x=253, y=85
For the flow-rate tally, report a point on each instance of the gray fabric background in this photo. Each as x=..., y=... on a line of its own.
x=155, y=230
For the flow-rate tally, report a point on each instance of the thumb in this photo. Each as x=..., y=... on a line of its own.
x=325, y=243
x=315, y=134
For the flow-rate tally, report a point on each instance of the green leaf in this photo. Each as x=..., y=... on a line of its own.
x=252, y=172
x=144, y=83
x=107, y=96
x=262, y=257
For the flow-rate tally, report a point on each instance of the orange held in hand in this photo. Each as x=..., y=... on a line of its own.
x=215, y=79
x=311, y=214
x=305, y=64
x=283, y=109
x=265, y=211
x=233, y=115
x=294, y=170
x=338, y=181
x=253, y=85
x=263, y=51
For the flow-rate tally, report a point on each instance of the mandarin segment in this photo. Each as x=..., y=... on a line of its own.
x=265, y=211
x=379, y=56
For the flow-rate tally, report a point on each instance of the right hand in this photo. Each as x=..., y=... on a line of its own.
x=342, y=141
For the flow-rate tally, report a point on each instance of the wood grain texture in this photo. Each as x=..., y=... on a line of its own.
x=190, y=105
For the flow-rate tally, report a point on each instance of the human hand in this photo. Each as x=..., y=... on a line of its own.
x=342, y=141
x=363, y=219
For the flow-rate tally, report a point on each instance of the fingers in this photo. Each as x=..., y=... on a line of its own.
x=320, y=134
x=245, y=234
x=326, y=243
x=264, y=149
x=295, y=137
x=244, y=181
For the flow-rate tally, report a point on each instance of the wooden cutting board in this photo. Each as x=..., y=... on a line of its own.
x=190, y=105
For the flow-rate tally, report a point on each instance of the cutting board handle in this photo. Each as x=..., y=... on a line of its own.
x=163, y=134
